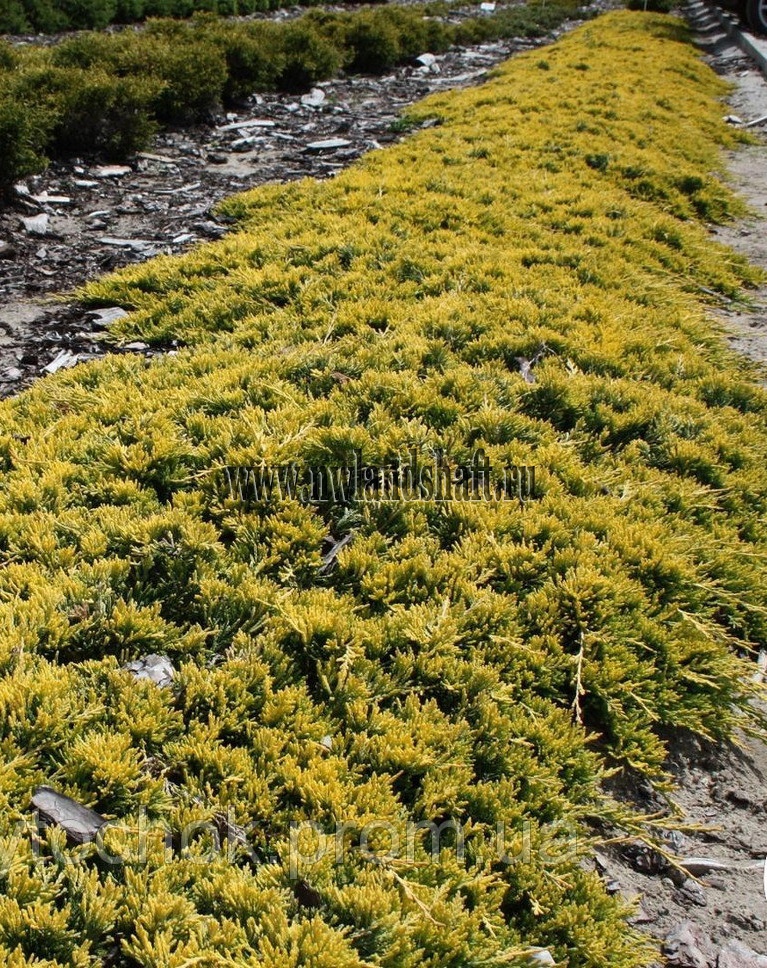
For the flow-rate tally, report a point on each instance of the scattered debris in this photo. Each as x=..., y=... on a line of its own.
x=542, y=957
x=105, y=317
x=752, y=124
x=81, y=824
x=329, y=558
x=36, y=224
x=45, y=199
x=328, y=144
x=252, y=123
x=314, y=99
x=62, y=361
x=688, y=946
x=733, y=119
x=156, y=668
x=112, y=171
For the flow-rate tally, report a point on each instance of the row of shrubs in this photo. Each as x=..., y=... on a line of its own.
x=51, y=16
x=471, y=669
x=106, y=94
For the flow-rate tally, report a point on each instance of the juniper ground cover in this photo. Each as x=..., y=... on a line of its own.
x=485, y=664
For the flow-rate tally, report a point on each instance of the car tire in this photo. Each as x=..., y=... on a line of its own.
x=756, y=14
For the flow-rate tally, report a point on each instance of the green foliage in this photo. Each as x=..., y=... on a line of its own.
x=21, y=140
x=653, y=6
x=88, y=113
x=179, y=72
x=375, y=42
x=254, y=59
x=87, y=14
x=479, y=663
x=307, y=55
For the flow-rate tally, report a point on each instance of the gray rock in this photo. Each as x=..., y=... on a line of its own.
x=735, y=954
x=62, y=361
x=688, y=946
x=36, y=224
x=329, y=144
x=125, y=243
x=156, y=668
x=45, y=199
x=105, y=317
x=243, y=144
x=7, y=251
x=692, y=891
x=314, y=99
x=210, y=228
x=81, y=824
x=253, y=123
x=112, y=171
x=542, y=957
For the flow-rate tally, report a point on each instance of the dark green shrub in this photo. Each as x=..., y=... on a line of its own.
x=106, y=115
x=13, y=19
x=417, y=33
x=8, y=56
x=193, y=70
x=195, y=75
x=44, y=16
x=309, y=56
x=373, y=42
x=253, y=57
x=654, y=6
x=88, y=14
x=84, y=51
x=21, y=139
x=128, y=11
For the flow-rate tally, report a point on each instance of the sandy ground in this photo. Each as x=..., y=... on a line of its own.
x=711, y=911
